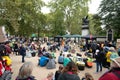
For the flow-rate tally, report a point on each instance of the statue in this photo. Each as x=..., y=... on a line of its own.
x=85, y=20
x=85, y=26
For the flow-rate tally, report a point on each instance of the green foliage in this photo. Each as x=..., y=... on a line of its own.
x=9, y=28
x=110, y=13
x=95, y=25
x=70, y=13
x=23, y=15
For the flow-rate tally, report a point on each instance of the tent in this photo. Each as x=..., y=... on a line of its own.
x=33, y=35
x=72, y=36
x=76, y=36
x=67, y=36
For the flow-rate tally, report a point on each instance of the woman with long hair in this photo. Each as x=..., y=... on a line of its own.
x=70, y=72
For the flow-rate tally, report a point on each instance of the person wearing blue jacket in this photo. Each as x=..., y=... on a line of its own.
x=22, y=51
x=60, y=59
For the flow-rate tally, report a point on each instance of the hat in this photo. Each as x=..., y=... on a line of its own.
x=116, y=61
x=111, y=49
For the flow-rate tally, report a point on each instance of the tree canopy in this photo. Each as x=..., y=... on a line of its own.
x=24, y=17
x=69, y=13
x=110, y=13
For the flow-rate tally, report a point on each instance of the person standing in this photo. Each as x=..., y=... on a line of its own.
x=108, y=59
x=98, y=57
x=22, y=51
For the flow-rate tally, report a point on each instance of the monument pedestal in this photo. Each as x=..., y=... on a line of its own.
x=85, y=30
x=85, y=27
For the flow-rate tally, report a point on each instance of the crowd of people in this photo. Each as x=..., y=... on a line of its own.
x=103, y=54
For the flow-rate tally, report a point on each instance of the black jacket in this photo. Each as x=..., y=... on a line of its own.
x=67, y=76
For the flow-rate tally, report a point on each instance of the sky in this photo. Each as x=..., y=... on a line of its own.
x=93, y=6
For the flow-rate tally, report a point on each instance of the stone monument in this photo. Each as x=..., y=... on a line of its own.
x=85, y=26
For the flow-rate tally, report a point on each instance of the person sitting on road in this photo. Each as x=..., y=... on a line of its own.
x=66, y=60
x=51, y=63
x=61, y=59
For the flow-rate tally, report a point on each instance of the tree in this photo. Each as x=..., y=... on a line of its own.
x=23, y=15
x=110, y=13
x=95, y=25
x=70, y=13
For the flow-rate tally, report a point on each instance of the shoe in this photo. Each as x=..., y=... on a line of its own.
x=23, y=61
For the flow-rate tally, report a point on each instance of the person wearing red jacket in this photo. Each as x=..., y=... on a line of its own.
x=114, y=72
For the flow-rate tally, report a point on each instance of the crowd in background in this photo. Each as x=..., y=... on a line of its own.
x=104, y=54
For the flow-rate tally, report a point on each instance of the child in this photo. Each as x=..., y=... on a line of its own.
x=58, y=72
